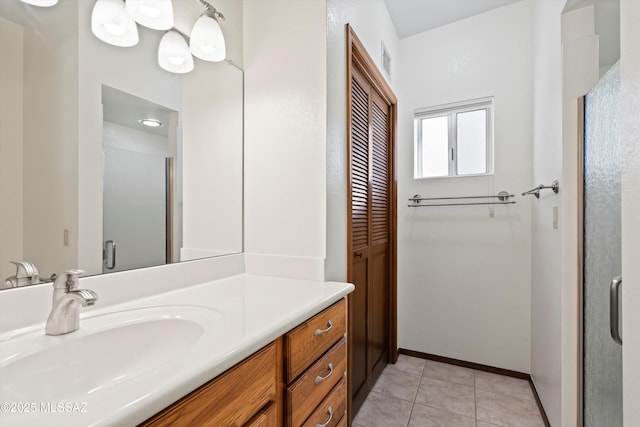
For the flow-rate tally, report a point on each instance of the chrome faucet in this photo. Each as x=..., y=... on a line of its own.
x=67, y=299
x=26, y=274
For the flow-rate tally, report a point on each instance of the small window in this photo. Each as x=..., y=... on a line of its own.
x=454, y=139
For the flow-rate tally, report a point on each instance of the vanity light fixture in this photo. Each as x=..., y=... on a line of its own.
x=154, y=14
x=173, y=53
x=40, y=3
x=207, y=40
x=114, y=22
x=152, y=123
x=111, y=23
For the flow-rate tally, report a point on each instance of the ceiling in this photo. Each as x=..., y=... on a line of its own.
x=412, y=17
x=127, y=110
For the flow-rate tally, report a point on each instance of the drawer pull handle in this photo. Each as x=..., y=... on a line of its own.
x=319, y=379
x=323, y=331
x=330, y=411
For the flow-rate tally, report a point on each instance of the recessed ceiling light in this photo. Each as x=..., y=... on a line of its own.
x=152, y=123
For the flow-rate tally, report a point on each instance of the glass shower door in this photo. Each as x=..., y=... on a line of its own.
x=602, y=356
x=134, y=210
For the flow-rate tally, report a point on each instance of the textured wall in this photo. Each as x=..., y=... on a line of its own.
x=464, y=276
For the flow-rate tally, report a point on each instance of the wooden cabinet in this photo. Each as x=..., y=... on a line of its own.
x=304, y=344
x=315, y=355
x=332, y=409
x=232, y=399
x=298, y=380
x=268, y=417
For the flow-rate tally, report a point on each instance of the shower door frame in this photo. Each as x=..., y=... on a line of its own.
x=580, y=152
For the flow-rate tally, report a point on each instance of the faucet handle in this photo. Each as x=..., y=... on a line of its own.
x=68, y=280
x=74, y=272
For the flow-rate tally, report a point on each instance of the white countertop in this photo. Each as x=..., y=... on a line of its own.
x=254, y=310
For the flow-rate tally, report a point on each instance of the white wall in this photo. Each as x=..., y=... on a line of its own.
x=464, y=277
x=372, y=24
x=546, y=270
x=212, y=161
x=285, y=128
x=11, y=158
x=50, y=138
x=630, y=107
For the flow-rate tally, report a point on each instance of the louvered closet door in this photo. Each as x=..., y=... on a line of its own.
x=359, y=228
x=379, y=253
x=370, y=234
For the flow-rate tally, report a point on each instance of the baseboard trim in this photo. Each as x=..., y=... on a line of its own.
x=485, y=368
x=539, y=402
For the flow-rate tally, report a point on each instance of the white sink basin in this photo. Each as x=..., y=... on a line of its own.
x=107, y=350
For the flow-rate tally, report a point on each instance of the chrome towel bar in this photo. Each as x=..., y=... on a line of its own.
x=502, y=196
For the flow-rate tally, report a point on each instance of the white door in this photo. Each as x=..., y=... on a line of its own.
x=135, y=210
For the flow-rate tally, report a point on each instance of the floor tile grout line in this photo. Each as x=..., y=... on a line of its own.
x=446, y=381
x=390, y=395
x=411, y=414
x=443, y=410
x=475, y=400
x=505, y=394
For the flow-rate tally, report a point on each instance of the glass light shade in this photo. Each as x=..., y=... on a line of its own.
x=207, y=41
x=173, y=53
x=40, y=3
x=154, y=14
x=111, y=23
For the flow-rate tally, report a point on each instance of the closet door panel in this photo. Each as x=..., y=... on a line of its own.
x=379, y=280
x=360, y=231
x=378, y=310
x=360, y=168
x=359, y=297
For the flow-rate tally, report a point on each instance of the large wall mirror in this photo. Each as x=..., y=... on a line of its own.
x=84, y=183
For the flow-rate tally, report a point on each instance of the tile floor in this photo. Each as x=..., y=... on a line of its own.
x=423, y=393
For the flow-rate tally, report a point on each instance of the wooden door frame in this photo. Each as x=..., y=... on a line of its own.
x=357, y=54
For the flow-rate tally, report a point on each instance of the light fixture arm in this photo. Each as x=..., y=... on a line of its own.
x=212, y=10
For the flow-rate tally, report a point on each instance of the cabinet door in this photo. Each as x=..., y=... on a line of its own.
x=370, y=184
x=232, y=399
x=268, y=417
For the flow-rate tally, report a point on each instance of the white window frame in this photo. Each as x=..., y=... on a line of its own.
x=451, y=111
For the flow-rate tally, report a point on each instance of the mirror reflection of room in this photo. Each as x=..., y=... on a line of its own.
x=79, y=168
x=140, y=145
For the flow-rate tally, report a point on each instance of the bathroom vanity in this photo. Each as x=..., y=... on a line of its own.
x=299, y=379
x=302, y=372
x=245, y=350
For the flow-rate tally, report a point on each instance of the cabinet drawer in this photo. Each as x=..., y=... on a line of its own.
x=332, y=409
x=268, y=417
x=343, y=421
x=232, y=399
x=304, y=344
x=304, y=395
